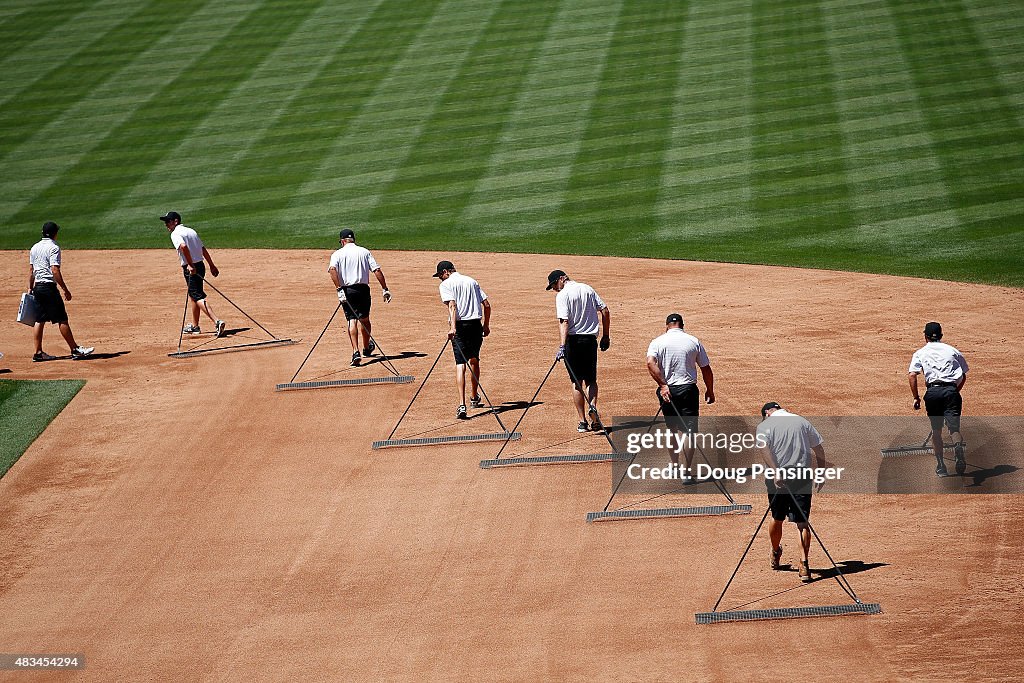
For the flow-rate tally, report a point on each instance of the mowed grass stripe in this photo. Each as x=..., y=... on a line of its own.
x=77, y=76
x=998, y=30
x=435, y=184
x=127, y=153
x=890, y=183
x=57, y=44
x=22, y=29
x=240, y=122
x=616, y=185
x=796, y=75
x=695, y=198
x=942, y=55
x=363, y=162
x=41, y=160
x=529, y=171
x=293, y=148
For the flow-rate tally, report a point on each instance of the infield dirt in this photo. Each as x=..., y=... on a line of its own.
x=181, y=520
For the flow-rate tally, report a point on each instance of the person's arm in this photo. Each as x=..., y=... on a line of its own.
x=31, y=277
x=188, y=258
x=606, y=321
x=383, y=285
x=563, y=334
x=487, y=317
x=963, y=381
x=209, y=259
x=818, y=460
x=912, y=377
x=59, y=279
x=658, y=376
x=453, y=317
x=709, y=384
x=334, y=277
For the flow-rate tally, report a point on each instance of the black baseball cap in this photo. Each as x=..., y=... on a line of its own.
x=933, y=330
x=347, y=234
x=674, y=318
x=444, y=265
x=769, y=406
x=50, y=229
x=553, y=277
x=171, y=216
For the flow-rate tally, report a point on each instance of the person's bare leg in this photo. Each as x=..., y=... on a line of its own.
x=37, y=336
x=775, y=532
x=353, y=334
x=581, y=403
x=592, y=393
x=805, y=539
x=366, y=328
x=194, y=308
x=460, y=382
x=65, y=331
x=474, y=378
x=205, y=305
x=937, y=446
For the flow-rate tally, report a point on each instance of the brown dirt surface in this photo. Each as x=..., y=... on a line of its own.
x=181, y=520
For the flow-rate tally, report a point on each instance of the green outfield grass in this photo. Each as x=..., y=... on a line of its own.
x=868, y=135
x=26, y=407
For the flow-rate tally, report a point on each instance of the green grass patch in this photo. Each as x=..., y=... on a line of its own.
x=26, y=408
x=863, y=135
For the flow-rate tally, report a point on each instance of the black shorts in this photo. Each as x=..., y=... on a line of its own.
x=943, y=403
x=795, y=507
x=682, y=411
x=581, y=357
x=469, y=337
x=50, y=304
x=195, y=282
x=357, y=305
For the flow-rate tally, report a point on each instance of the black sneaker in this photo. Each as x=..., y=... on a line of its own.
x=476, y=402
x=41, y=356
x=368, y=351
x=941, y=470
x=583, y=427
x=961, y=463
x=461, y=413
x=355, y=358
x=595, y=421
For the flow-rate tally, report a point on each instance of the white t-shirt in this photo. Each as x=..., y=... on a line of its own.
x=678, y=354
x=467, y=295
x=44, y=255
x=354, y=264
x=579, y=304
x=183, y=234
x=939, y=362
x=790, y=438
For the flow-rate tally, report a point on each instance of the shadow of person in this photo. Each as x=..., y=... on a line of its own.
x=980, y=475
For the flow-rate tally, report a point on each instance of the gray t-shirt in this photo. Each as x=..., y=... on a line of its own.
x=790, y=438
x=45, y=254
x=678, y=354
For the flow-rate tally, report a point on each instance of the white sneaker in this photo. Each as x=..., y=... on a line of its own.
x=220, y=328
x=82, y=352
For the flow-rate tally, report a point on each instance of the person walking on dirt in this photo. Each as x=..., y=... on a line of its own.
x=581, y=315
x=791, y=442
x=350, y=269
x=44, y=277
x=469, y=316
x=193, y=256
x=672, y=361
x=945, y=373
